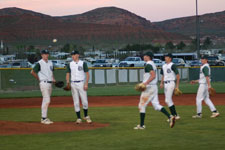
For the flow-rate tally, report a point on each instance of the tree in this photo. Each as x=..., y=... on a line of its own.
x=170, y=45
x=207, y=43
x=181, y=45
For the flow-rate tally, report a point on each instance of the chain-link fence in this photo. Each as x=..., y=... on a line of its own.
x=21, y=79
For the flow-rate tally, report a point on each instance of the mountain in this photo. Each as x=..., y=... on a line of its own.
x=110, y=16
x=108, y=26
x=212, y=24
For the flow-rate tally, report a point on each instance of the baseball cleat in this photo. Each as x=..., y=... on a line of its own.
x=79, y=121
x=197, y=116
x=176, y=117
x=214, y=115
x=88, y=119
x=172, y=121
x=139, y=127
x=46, y=121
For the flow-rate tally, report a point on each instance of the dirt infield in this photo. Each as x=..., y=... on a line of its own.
x=101, y=101
x=10, y=128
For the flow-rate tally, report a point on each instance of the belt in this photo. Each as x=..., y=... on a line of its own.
x=47, y=81
x=168, y=81
x=77, y=81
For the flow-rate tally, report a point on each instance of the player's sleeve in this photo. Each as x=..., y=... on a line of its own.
x=174, y=68
x=37, y=68
x=161, y=71
x=85, y=66
x=148, y=68
x=205, y=71
x=68, y=70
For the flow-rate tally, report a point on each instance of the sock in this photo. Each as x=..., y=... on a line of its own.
x=142, y=116
x=199, y=114
x=163, y=110
x=78, y=114
x=85, y=112
x=173, y=110
x=215, y=111
x=43, y=118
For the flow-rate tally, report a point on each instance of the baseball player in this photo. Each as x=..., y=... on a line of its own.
x=43, y=72
x=151, y=93
x=169, y=74
x=204, y=85
x=78, y=76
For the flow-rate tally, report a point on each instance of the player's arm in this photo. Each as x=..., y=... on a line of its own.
x=53, y=77
x=205, y=71
x=162, y=79
x=87, y=76
x=68, y=71
x=149, y=68
x=35, y=70
x=175, y=70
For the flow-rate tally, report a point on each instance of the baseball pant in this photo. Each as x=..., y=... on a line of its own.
x=46, y=91
x=149, y=95
x=203, y=94
x=168, y=91
x=77, y=90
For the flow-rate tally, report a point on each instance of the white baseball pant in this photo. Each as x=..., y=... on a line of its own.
x=77, y=90
x=203, y=94
x=46, y=91
x=168, y=91
x=149, y=95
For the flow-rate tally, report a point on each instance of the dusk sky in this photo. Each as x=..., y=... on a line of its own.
x=153, y=10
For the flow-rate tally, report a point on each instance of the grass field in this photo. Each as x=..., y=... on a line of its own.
x=190, y=134
x=121, y=90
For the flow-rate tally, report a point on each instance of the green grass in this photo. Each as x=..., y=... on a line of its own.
x=120, y=90
x=190, y=134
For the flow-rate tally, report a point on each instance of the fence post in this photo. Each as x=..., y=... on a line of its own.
x=0, y=80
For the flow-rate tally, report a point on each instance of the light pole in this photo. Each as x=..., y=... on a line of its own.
x=197, y=31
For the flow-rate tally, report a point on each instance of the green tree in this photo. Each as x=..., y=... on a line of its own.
x=181, y=45
x=207, y=43
x=170, y=45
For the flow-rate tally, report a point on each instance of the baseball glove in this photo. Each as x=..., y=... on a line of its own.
x=68, y=87
x=140, y=87
x=59, y=84
x=177, y=92
x=212, y=91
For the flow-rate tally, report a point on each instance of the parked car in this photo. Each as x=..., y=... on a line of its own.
x=102, y=63
x=132, y=62
x=179, y=62
x=158, y=62
x=195, y=63
x=19, y=64
x=59, y=63
x=215, y=61
x=5, y=66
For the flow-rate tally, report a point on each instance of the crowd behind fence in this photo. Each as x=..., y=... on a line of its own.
x=21, y=79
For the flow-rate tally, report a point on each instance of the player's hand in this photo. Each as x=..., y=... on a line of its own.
x=85, y=87
x=193, y=82
x=161, y=85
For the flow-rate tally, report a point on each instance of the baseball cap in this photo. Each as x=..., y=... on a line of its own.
x=75, y=52
x=169, y=55
x=45, y=51
x=204, y=57
x=150, y=54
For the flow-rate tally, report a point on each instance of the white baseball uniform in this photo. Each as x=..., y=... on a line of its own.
x=169, y=72
x=77, y=71
x=203, y=93
x=45, y=73
x=151, y=92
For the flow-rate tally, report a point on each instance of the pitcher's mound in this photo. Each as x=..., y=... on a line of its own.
x=12, y=127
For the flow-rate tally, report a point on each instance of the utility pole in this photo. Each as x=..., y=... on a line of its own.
x=197, y=31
